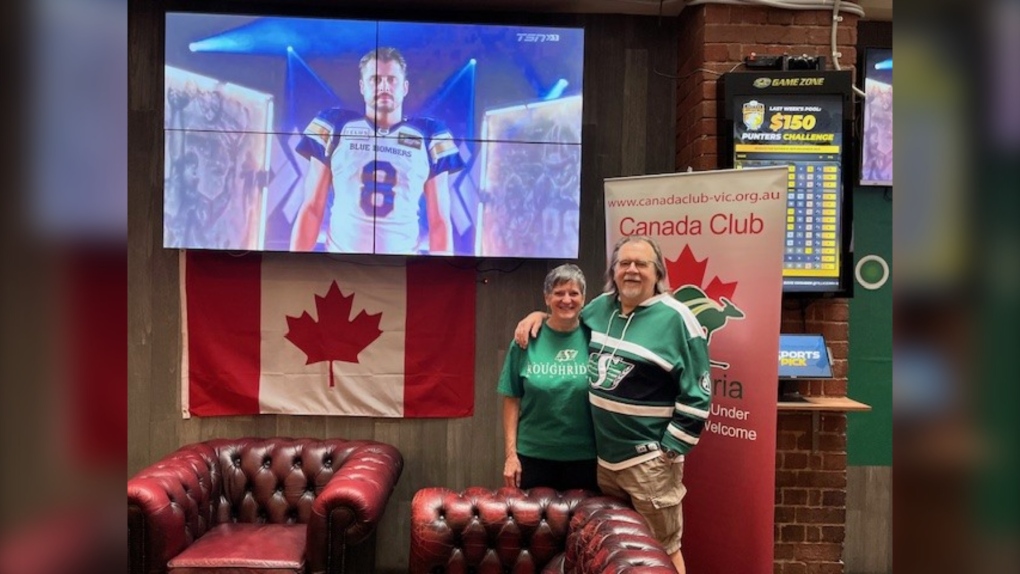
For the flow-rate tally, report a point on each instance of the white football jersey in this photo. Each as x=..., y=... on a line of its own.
x=378, y=178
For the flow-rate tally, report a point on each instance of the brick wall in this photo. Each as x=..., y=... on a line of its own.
x=810, y=465
x=810, y=514
x=714, y=38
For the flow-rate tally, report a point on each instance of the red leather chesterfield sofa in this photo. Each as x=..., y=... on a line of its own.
x=256, y=505
x=538, y=530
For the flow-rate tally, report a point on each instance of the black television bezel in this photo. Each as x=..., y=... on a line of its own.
x=734, y=84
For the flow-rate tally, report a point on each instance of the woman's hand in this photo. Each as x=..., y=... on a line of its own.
x=528, y=328
x=512, y=471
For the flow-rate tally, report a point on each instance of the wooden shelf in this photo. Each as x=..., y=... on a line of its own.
x=818, y=405
x=844, y=404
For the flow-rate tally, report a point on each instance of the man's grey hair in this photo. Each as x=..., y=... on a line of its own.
x=660, y=264
x=564, y=274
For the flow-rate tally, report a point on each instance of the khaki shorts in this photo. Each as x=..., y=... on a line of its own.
x=655, y=488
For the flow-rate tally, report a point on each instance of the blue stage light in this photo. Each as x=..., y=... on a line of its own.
x=276, y=36
x=557, y=90
x=306, y=92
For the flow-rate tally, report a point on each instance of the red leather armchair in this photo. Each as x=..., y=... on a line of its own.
x=258, y=505
x=539, y=530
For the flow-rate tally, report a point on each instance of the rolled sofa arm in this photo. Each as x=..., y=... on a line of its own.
x=349, y=508
x=170, y=504
x=607, y=537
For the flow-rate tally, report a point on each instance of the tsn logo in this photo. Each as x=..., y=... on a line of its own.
x=532, y=37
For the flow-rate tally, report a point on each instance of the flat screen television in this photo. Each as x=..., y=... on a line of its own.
x=371, y=136
x=801, y=120
x=804, y=356
x=877, y=118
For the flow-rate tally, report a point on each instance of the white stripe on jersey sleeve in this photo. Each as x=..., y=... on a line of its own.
x=691, y=411
x=690, y=321
x=681, y=435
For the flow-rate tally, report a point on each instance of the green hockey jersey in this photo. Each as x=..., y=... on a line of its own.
x=648, y=376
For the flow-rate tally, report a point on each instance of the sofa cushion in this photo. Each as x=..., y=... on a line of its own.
x=245, y=548
x=555, y=566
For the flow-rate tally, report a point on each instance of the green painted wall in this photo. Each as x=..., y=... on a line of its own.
x=869, y=435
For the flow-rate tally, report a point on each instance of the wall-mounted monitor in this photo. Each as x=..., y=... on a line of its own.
x=366, y=136
x=804, y=356
x=877, y=118
x=801, y=120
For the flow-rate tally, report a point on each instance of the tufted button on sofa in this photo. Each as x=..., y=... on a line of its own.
x=538, y=530
x=258, y=505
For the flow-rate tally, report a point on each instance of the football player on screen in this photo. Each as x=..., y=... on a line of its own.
x=379, y=163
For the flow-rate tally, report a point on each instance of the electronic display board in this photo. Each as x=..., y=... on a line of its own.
x=799, y=120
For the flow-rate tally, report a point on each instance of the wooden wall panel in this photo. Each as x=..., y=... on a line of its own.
x=143, y=155
x=868, y=548
x=628, y=130
x=633, y=141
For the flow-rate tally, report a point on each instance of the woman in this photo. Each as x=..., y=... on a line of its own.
x=549, y=439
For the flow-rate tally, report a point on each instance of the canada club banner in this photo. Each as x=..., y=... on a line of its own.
x=722, y=234
x=311, y=335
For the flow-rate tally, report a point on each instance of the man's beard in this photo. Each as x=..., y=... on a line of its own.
x=630, y=290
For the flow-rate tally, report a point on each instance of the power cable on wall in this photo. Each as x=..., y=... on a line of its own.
x=836, y=19
x=837, y=6
x=849, y=7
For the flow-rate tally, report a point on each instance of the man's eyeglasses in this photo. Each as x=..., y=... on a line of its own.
x=639, y=263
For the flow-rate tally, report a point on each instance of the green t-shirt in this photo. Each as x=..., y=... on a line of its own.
x=550, y=378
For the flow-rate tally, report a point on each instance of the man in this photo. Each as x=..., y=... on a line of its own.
x=379, y=164
x=649, y=387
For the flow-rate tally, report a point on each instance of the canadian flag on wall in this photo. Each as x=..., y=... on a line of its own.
x=312, y=335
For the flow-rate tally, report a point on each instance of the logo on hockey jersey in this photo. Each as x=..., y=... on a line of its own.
x=566, y=355
x=705, y=382
x=606, y=371
x=409, y=140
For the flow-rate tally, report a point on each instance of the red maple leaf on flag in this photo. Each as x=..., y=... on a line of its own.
x=687, y=270
x=335, y=336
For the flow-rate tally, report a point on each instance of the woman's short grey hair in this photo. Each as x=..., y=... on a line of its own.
x=660, y=264
x=563, y=274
